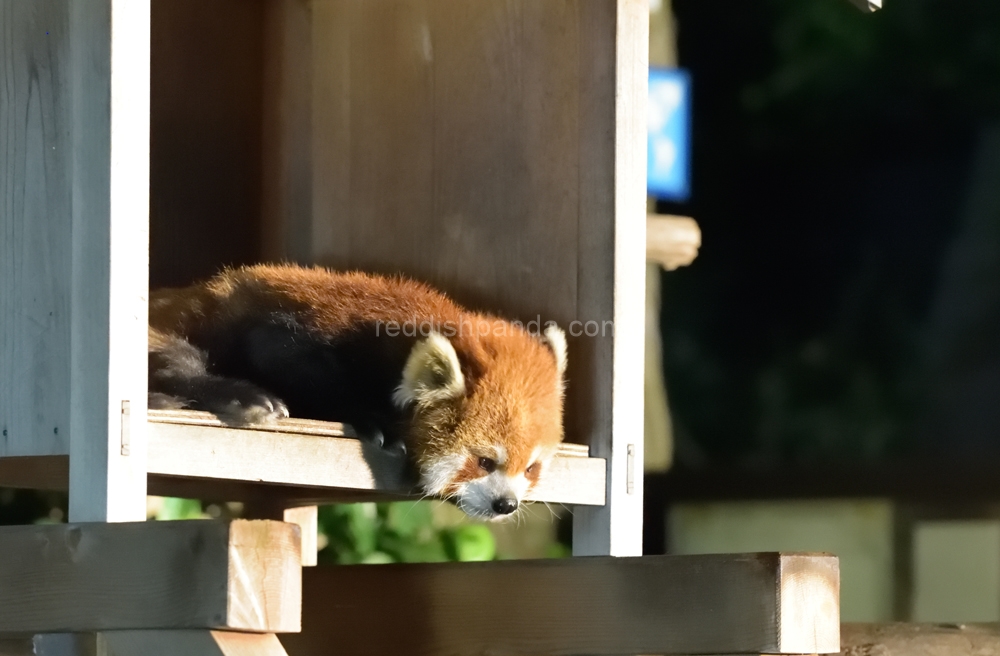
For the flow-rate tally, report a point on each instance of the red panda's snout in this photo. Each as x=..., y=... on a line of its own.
x=483, y=444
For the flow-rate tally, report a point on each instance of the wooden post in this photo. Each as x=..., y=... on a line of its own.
x=107, y=285
x=616, y=528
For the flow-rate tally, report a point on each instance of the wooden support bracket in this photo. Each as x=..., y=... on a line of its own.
x=766, y=603
x=241, y=575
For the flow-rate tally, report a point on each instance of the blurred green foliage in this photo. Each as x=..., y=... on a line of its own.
x=400, y=532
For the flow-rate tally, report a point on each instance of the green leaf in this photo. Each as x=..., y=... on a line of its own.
x=174, y=508
x=472, y=543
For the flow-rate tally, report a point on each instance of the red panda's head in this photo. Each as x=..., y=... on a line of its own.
x=482, y=433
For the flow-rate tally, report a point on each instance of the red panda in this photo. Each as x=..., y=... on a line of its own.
x=475, y=401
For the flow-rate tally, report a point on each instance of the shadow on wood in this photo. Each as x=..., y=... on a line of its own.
x=715, y=604
x=241, y=575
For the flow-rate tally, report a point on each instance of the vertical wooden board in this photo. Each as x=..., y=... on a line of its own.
x=461, y=137
x=330, y=146
x=109, y=55
x=391, y=135
x=35, y=227
x=286, y=187
x=206, y=91
x=616, y=528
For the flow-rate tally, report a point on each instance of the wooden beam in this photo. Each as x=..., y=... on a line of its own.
x=243, y=575
x=672, y=241
x=192, y=454
x=715, y=604
x=157, y=643
x=903, y=639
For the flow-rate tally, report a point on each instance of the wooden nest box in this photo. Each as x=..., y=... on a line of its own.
x=493, y=149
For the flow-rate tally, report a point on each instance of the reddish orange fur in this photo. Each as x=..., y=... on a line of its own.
x=513, y=398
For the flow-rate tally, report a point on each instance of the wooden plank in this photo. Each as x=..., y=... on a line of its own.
x=287, y=129
x=35, y=227
x=206, y=70
x=109, y=82
x=714, y=604
x=300, y=459
x=902, y=639
x=35, y=472
x=243, y=575
x=612, y=238
x=17, y=647
x=191, y=454
x=158, y=643
x=306, y=518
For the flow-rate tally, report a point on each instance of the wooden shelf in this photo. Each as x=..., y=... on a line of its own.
x=192, y=454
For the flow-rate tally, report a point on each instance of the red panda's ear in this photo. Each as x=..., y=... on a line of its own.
x=555, y=338
x=432, y=373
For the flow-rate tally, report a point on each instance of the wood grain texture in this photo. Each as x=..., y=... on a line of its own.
x=206, y=70
x=109, y=82
x=158, y=643
x=244, y=575
x=319, y=459
x=306, y=518
x=902, y=639
x=714, y=604
x=191, y=454
x=35, y=227
x=613, y=240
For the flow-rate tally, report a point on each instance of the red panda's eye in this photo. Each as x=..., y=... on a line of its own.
x=488, y=465
x=532, y=468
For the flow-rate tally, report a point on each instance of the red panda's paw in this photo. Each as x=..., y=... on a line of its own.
x=237, y=402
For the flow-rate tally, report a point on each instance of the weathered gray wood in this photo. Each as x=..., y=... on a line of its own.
x=902, y=639
x=612, y=239
x=35, y=226
x=73, y=174
x=109, y=82
x=158, y=643
x=243, y=575
x=716, y=604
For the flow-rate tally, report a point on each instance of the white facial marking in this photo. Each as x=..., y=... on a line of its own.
x=501, y=455
x=436, y=477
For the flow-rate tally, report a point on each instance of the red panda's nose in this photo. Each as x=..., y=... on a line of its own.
x=504, y=506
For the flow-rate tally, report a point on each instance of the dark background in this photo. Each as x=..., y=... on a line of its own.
x=845, y=307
